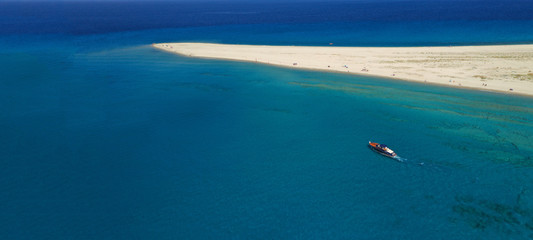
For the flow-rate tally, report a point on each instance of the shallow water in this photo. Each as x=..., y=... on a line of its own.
x=108, y=140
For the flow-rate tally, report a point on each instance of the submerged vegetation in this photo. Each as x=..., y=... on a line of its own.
x=487, y=215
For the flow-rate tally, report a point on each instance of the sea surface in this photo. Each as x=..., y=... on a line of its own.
x=104, y=137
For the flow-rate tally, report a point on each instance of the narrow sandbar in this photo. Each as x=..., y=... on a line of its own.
x=504, y=68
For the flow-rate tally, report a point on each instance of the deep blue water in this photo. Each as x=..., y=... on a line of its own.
x=104, y=137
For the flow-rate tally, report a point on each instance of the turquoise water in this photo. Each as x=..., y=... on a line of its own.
x=136, y=140
x=104, y=137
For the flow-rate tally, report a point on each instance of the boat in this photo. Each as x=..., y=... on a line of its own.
x=382, y=149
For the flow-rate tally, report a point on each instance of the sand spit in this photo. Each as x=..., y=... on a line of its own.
x=504, y=68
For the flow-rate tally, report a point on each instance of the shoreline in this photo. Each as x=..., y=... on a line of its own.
x=497, y=68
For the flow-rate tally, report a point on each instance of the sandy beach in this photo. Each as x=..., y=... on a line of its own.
x=503, y=68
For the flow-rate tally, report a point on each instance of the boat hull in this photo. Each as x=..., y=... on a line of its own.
x=376, y=148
